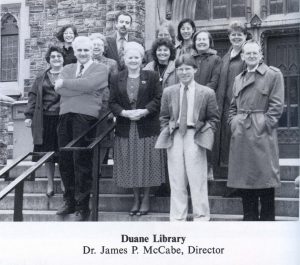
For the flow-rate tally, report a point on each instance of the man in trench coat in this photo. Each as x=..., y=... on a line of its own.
x=257, y=104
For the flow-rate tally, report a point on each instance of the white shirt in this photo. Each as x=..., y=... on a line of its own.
x=86, y=66
x=252, y=70
x=119, y=39
x=190, y=100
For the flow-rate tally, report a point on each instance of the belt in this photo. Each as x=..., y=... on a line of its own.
x=247, y=117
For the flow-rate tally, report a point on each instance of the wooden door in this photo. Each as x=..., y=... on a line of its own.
x=283, y=52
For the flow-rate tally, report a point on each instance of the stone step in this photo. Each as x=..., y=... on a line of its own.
x=289, y=170
x=107, y=186
x=46, y=216
x=122, y=203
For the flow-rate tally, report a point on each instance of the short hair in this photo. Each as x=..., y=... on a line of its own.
x=185, y=20
x=124, y=13
x=169, y=27
x=186, y=59
x=163, y=42
x=99, y=36
x=211, y=41
x=252, y=41
x=237, y=26
x=82, y=39
x=132, y=45
x=60, y=33
x=54, y=49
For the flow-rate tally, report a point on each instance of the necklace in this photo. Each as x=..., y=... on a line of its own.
x=53, y=76
x=161, y=71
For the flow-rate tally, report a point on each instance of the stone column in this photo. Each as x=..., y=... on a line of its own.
x=5, y=117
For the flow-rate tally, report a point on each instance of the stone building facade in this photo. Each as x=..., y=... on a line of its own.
x=29, y=26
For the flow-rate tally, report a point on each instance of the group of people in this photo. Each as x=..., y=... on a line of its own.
x=181, y=114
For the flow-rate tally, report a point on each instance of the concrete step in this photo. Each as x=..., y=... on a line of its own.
x=107, y=186
x=122, y=203
x=289, y=169
x=47, y=216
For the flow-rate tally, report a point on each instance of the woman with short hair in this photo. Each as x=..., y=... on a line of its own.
x=43, y=111
x=66, y=36
x=135, y=101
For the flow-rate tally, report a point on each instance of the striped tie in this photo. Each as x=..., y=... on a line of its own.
x=80, y=71
x=183, y=116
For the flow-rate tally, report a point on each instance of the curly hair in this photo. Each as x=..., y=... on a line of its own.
x=163, y=42
x=169, y=27
x=60, y=33
x=185, y=20
x=54, y=49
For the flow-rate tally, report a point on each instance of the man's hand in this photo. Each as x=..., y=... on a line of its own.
x=28, y=122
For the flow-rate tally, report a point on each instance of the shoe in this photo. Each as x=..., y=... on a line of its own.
x=67, y=208
x=50, y=194
x=132, y=213
x=140, y=213
x=82, y=215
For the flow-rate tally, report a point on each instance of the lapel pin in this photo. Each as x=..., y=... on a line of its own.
x=143, y=82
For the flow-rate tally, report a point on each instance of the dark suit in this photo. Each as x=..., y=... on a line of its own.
x=112, y=48
x=149, y=96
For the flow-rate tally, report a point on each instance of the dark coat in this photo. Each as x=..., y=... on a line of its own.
x=34, y=110
x=224, y=97
x=254, y=112
x=112, y=48
x=69, y=56
x=209, y=66
x=149, y=96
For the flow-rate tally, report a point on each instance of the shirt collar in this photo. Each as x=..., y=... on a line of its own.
x=86, y=65
x=119, y=36
x=190, y=86
x=252, y=70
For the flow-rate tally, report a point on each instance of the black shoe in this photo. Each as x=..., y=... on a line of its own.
x=67, y=208
x=82, y=215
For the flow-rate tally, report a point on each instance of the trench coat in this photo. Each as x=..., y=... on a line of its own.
x=209, y=65
x=254, y=112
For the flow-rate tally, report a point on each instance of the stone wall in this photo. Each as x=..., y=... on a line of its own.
x=89, y=16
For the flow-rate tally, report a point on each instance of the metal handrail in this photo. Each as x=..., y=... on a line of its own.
x=18, y=183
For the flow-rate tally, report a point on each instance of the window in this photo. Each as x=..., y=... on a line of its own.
x=283, y=6
x=9, y=48
x=214, y=9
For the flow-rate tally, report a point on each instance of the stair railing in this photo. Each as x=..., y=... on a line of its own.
x=95, y=147
x=18, y=183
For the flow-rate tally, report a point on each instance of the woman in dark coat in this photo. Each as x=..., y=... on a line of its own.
x=135, y=101
x=232, y=65
x=66, y=35
x=43, y=110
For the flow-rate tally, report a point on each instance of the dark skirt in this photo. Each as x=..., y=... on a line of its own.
x=50, y=142
x=136, y=162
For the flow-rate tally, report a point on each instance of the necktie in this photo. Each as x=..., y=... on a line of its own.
x=80, y=71
x=121, y=51
x=183, y=116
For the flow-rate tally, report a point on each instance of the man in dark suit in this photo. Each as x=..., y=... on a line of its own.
x=116, y=42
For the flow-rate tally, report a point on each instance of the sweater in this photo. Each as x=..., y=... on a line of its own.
x=83, y=95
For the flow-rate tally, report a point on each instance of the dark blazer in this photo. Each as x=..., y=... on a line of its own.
x=149, y=96
x=112, y=48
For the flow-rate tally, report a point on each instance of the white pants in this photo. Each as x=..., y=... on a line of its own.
x=187, y=163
